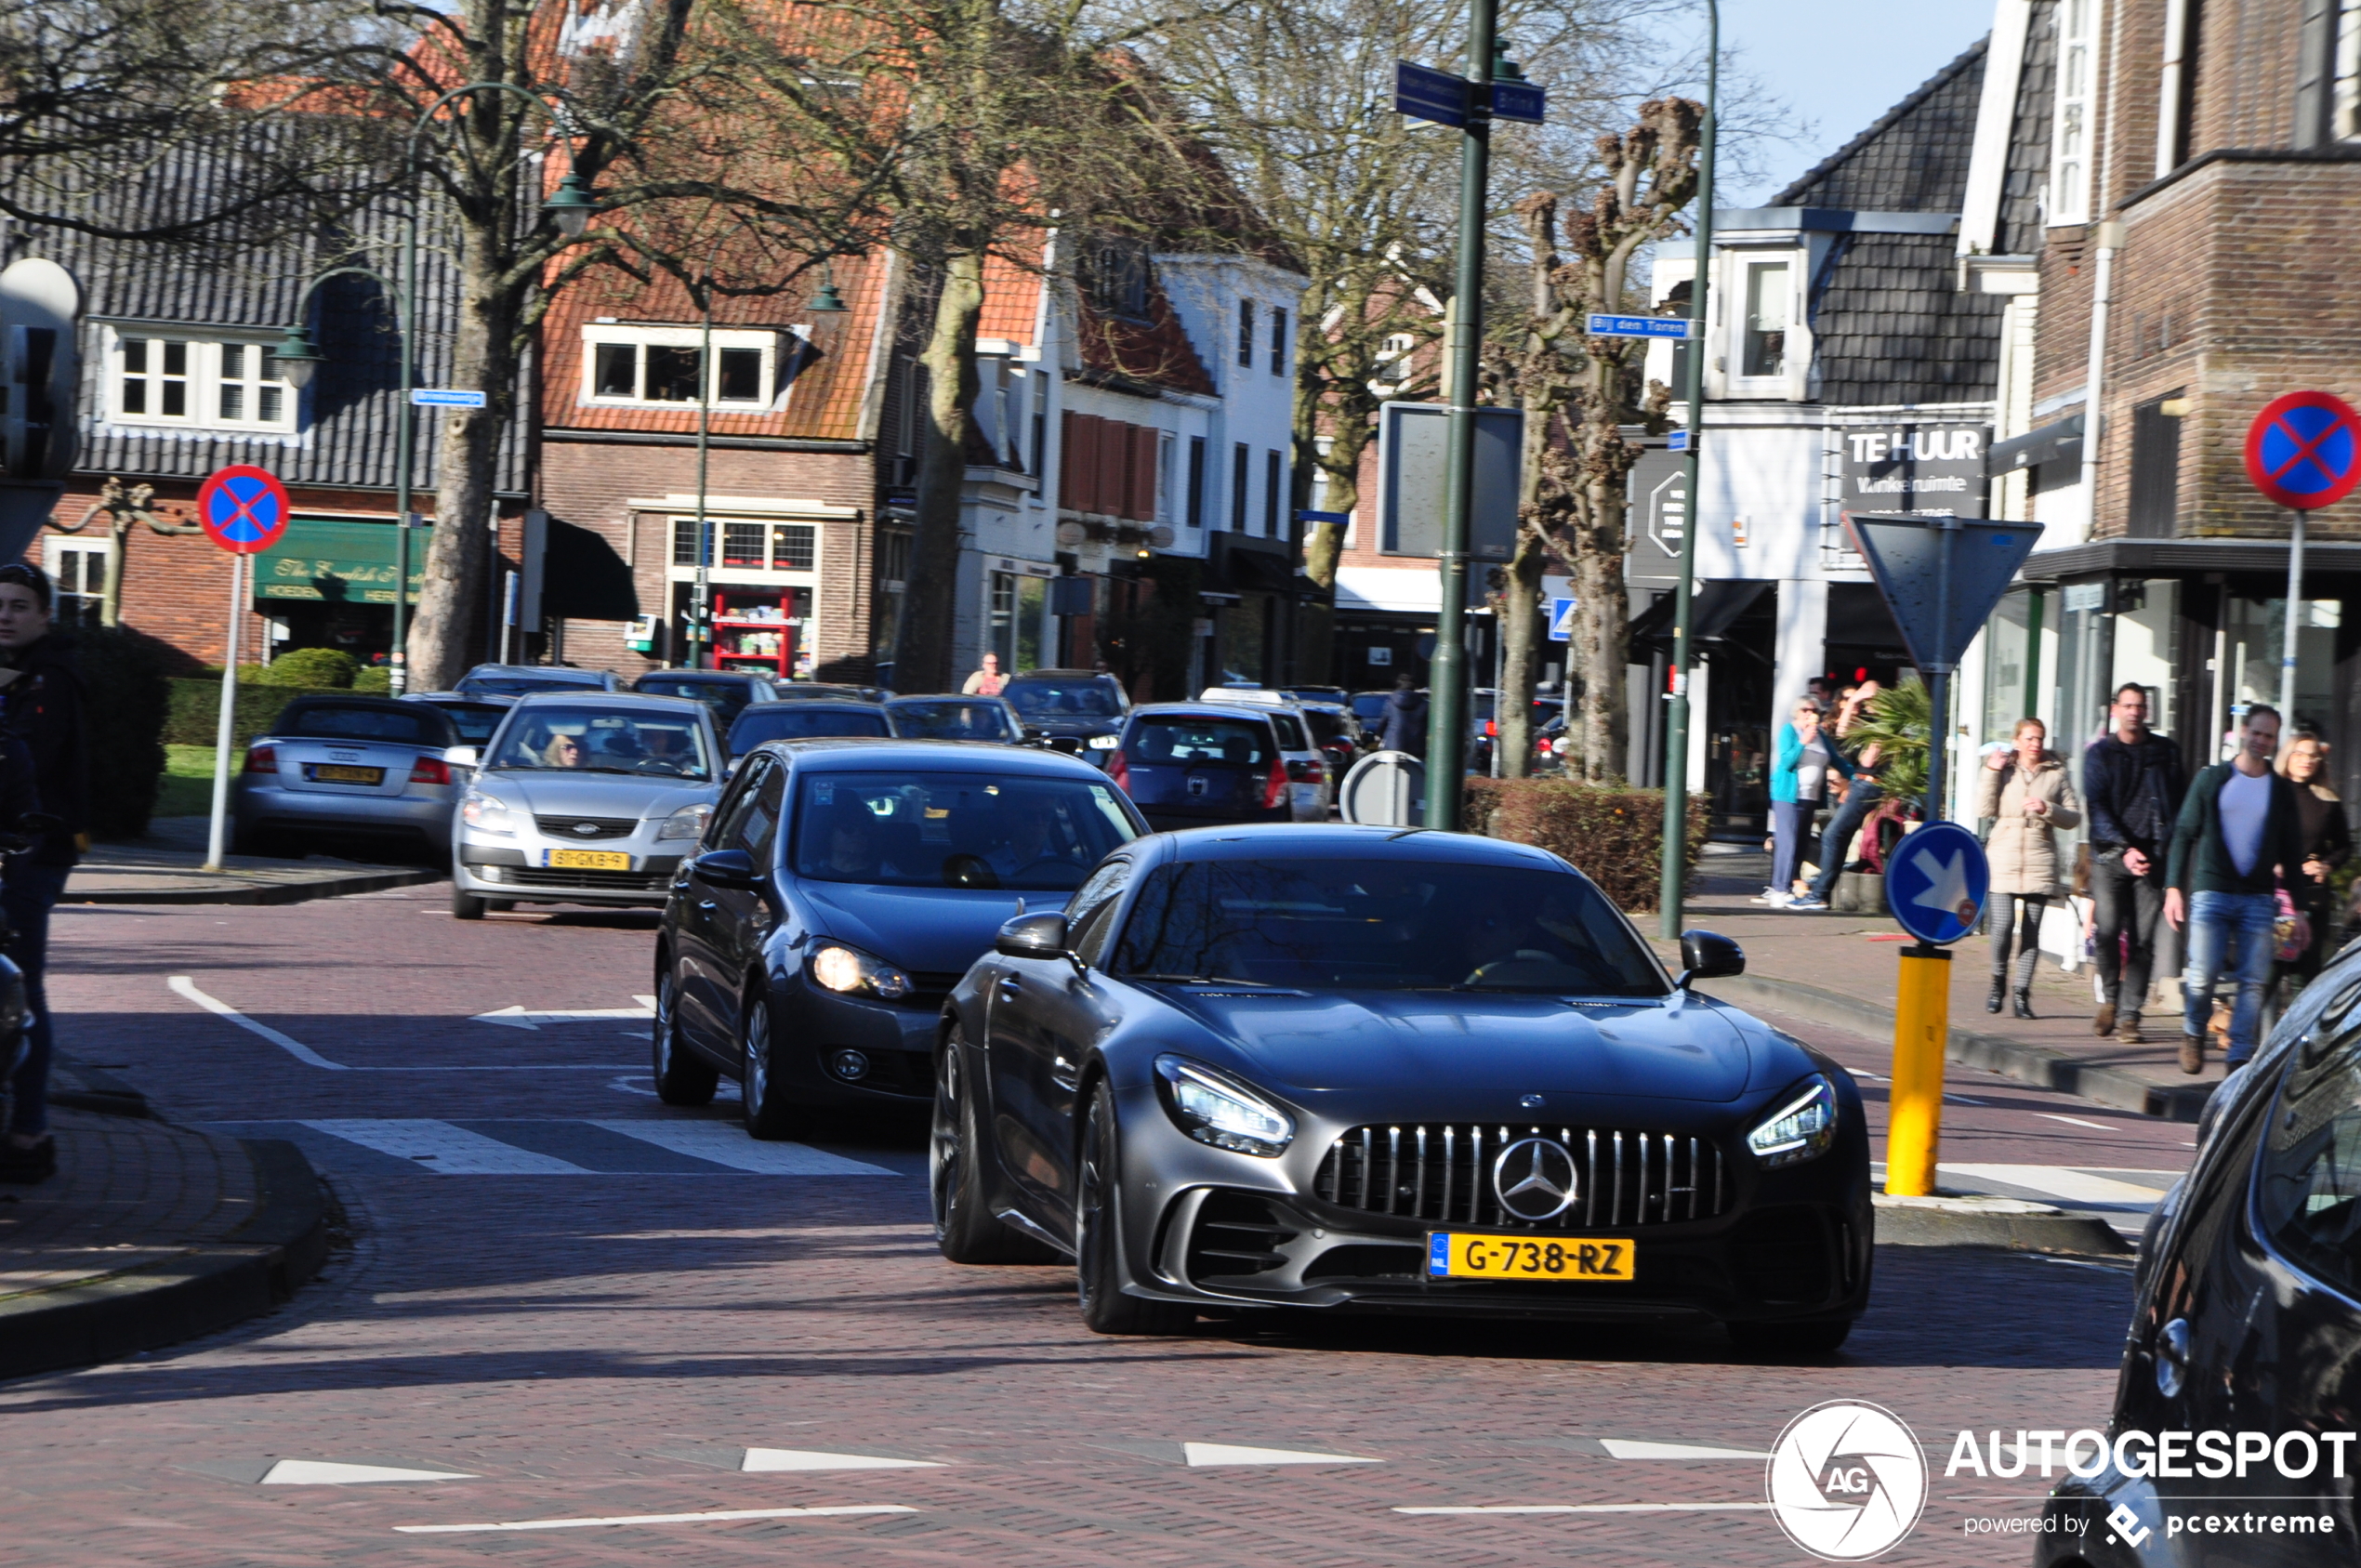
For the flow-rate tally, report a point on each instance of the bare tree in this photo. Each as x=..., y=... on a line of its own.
x=124, y=509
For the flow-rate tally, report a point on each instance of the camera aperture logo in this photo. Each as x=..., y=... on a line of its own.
x=1846, y=1480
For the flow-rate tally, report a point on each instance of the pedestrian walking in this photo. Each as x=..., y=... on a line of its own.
x=1799, y=770
x=1406, y=718
x=40, y=707
x=2133, y=785
x=2030, y=799
x=1861, y=796
x=2237, y=834
x=2328, y=844
x=987, y=681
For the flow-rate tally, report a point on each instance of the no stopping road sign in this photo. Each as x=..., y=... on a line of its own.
x=244, y=509
x=2304, y=449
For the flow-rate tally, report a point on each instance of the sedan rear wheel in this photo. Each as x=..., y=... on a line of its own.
x=1098, y=1238
x=964, y=1228
x=682, y=1078
x=769, y=1114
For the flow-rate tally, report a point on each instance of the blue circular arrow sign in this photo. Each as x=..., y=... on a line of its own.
x=1935, y=882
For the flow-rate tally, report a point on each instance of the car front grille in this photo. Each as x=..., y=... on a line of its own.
x=599, y=881
x=570, y=828
x=935, y=982
x=1443, y=1172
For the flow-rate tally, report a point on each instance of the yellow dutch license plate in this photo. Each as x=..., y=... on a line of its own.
x=1569, y=1259
x=585, y=860
x=334, y=772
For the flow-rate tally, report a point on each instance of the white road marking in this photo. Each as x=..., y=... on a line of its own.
x=656, y=1519
x=1204, y=1453
x=2058, y=1181
x=812, y=1459
x=320, y=1473
x=726, y=1145
x=1637, y=1448
x=2074, y=1121
x=519, y=1017
x=185, y=987
x=445, y=1150
x=1604, y=1508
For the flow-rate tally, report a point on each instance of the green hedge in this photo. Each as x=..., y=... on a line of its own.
x=123, y=671
x=1614, y=836
x=197, y=709
x=313, y=666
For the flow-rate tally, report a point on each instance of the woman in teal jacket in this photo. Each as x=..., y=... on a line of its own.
x=1800, y=768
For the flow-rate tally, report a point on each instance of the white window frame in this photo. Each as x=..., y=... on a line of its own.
x=202, y=378
x=641, y=338
x=1168, y=478
x=1729, y=304
x=55, y=547
x=2346, y=105
x=2073, y=129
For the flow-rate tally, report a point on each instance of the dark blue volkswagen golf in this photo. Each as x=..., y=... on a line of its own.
x=842, y=889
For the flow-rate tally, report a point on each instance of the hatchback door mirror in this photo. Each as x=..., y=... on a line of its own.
x=1033, y=936
x=460, y=757
x=725, y=868
x=1709, y=956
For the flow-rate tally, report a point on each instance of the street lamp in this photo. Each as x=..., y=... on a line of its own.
x=296, y=357
x=572, y=205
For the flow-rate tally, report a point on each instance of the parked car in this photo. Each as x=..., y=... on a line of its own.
x=1310, y=781
x=806, y=721
x=1216, y=1081
x=584, y=798
x=1368, y=711
x=1075, y=710
x=1186, y=764
x=345, y=764
x=955, y=719
x=815, y=692
x=515, y=680
x=727, y=692
x=477, y=716
x=841, y=890
x=1484, y=725
x=2246, y=1322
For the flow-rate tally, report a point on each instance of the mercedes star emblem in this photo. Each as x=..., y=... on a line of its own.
x=1534, y=1179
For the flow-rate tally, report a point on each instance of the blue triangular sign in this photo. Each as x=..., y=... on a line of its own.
x=1940, y=603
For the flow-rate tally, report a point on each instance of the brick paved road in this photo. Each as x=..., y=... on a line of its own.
x=602, y=1320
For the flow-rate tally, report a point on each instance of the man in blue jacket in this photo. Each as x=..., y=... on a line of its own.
x=2237, y=834
x=2132, y=781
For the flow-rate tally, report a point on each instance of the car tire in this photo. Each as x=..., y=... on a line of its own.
x=769, y=1116
x=682, y=1078
x=465, y=905
x=964, y=1227
x=1818, y=1336
x=1098, y=1236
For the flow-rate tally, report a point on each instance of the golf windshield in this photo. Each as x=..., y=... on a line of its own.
x=1327, y=924
x=1057, y=700
x=950, y=718
x=603, y=740
x=955, y=830
x=803, y=722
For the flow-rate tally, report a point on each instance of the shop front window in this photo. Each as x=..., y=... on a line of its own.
x=2247, y=649
x=2147, y=617
x=2008, y=646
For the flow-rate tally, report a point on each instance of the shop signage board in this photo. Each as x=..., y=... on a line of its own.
x=2303, y=450
x=1915, y=466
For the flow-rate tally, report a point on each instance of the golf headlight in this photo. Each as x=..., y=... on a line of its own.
x=1803, y=1128
x=848, y=970
x=1214, y=1109
x=486, y=814
x=1101, y=743
x=687, y=823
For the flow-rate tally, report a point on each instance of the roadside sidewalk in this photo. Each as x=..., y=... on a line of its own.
x=168, y=867
x=1843, y=969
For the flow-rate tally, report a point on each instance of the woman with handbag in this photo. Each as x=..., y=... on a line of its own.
x=2327, y=843
x=2028, y=795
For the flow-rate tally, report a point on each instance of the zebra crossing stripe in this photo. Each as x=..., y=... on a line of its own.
x=726, y=1145
x=445, y=1150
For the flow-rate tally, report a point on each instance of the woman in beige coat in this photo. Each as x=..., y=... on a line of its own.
x=2030, y=799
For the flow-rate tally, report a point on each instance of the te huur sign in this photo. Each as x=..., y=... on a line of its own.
x=1916, y=468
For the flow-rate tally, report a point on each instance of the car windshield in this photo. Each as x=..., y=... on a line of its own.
x=604, y=739
x=795, y=721
x=1179, y=738
x=955, y=830
x=476, y=720
x=950, y=720
x=329, y=722
x=1327, y=924
x=1057, y=698
x=518, y=685
x=804, y=691
x=728, y=697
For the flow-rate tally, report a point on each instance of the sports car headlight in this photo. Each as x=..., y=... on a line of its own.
x=1101, y=743
x=686, y=822
x=1213, y=1109
x=486, y=814
x=851, y=971
x=1800, y=1129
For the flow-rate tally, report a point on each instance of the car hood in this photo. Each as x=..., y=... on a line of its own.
x=938, y=930
x=555, y=794
x=1481, y=1045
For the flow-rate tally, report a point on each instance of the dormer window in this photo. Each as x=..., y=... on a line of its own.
x=1115, y=277
x=658, y=367
x=168, y=375
x=1763, y=351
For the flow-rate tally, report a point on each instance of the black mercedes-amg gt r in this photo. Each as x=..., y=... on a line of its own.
x=1369, y=1069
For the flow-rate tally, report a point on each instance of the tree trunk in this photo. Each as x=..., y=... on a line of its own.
x=1602, y=637
x=445, y=628
x=923, y=650
x=1520, y=639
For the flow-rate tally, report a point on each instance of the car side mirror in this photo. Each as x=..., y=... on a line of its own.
x=725, y=868
x=1033, y=936
x=461, y=756
x=1709, y=955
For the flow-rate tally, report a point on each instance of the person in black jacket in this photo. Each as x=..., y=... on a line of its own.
x=41, y=709
x=2133, y=785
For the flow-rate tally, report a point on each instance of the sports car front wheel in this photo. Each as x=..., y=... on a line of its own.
x=964, y=1227
x=1097, y=1237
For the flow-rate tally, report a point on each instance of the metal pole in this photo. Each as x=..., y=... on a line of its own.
x=1447, y=676
x=222, y=730
x=1939, y=676
x=1676, y=711
x=2295, y=615
x=404, y=418
x=700, y=611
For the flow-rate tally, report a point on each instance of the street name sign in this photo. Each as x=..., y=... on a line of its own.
x=2303, y=450
x=1936, y=881
x=1518, y=101
x=1306, y=515
x=1427, y=93
x=1676, y=441
x=445, y=397
x=243, y=509
x=1601, y=325
x=1561, y=620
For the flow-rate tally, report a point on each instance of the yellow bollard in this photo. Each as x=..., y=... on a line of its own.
x=1921, y=1023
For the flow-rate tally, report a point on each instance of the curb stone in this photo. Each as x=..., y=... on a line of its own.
x=262, y=892
x=209, y=1287
x=1994, y=1053
x=100, y=1091
x=2010, y=1223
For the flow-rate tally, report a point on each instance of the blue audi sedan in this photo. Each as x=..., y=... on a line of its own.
x=842, y=889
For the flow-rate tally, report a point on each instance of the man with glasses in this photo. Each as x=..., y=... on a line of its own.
x=2133, y=783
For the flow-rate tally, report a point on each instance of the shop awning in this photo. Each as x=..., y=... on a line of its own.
x=2185, y=558
x=1712, y=610
x=321, y=559
x=2061, y=443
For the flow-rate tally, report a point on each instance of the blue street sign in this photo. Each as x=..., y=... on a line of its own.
x=1518, y=100
x=1603, y=325
x=1306, y=515
x=1429, y=94
x=445, y=397
x=1561, y=620
x=1936, y=881
x=1676, y=441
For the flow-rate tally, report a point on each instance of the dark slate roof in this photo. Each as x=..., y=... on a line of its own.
x=345, y=434
x=1913, y=159
x=2020, y=230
